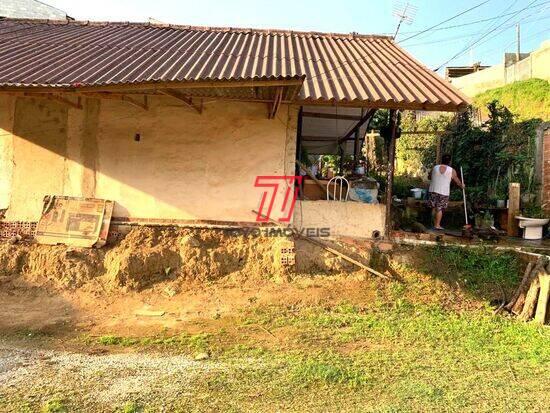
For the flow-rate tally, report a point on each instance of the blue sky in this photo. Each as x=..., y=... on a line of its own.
x=363, y=16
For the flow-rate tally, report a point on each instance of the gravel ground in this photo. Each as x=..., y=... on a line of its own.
x=30, y=377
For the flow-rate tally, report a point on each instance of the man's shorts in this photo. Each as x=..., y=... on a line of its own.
x=438, y=201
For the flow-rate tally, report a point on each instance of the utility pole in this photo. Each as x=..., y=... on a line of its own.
x=518, y=51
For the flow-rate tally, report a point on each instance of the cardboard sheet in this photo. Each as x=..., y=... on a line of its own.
x=79, y=222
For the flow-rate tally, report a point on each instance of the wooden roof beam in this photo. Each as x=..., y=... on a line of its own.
x=274, y=107
x=133, y=101
x=366, y=117
x=182, y=98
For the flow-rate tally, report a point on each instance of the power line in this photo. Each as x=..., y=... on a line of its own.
x=444, y=21
x=469, y=46
x=449, y=39
x=424, y=31
x=475, y=22
x=490, y=52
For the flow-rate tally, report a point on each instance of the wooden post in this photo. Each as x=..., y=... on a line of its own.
x=341, y=161
x=356, y=146
x=391, y=168
x=438, y=149
x=299, y=140
x=542, y=305
x=513, y=208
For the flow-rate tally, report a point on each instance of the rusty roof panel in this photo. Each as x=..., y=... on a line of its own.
x=336, y=68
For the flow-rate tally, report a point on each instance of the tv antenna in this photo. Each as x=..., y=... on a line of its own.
x=405, y=12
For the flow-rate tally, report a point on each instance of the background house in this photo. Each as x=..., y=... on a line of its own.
x=30, y=9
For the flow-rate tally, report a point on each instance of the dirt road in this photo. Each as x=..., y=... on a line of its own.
x=100, y=382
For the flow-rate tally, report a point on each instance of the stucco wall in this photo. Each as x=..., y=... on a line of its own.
x=185, y=166
x=354, y=219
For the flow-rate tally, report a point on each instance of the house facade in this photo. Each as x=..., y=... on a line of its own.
x=175, y=123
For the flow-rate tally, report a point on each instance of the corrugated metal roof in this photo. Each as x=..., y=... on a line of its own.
x=337, y=68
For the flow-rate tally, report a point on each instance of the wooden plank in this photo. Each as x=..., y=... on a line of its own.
x=522, y=286
x=513, y=208
x=544, y=293
x=274, y=107
x=530, y=301
x=330, y=116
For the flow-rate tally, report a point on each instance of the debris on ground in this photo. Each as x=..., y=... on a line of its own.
x=530, y=301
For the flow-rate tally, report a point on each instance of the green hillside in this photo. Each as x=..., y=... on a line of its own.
x=528, y=99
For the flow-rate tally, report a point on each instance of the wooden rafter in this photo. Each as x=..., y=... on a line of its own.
x=182, y=98
x=330, y=116
x=366, y=117
x=68, y=102
x=133, y=101
x=274, y=107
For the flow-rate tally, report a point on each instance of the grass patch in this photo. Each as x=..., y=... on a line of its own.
x=186, y=342
x=528, y=99
x=477, y=268
x=55, y=405
x=130, y=407
x=326, y=369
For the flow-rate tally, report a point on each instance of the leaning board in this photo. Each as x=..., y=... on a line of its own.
x=72, y=221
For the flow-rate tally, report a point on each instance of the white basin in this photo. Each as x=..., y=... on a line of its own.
x=532, y=227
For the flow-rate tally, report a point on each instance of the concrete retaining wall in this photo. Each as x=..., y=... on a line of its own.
x=353, y=219
x=535, y=66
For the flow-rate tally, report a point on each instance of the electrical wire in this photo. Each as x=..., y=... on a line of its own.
x=473, y=22
x=469, y=46
x=450, y=39
x=362, y=58
x=444, y=21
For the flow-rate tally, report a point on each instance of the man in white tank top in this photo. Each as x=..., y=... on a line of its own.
x=440, y=188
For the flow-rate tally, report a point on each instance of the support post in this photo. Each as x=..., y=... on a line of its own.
x=356, y=146
x=513, y=208
x=341, y=161
x=299, y=140
x=438, y=150
x=518, y=41
x=391, y=168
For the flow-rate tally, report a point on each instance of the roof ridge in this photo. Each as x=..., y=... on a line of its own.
x=351, y=35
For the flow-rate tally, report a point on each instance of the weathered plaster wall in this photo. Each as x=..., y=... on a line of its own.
x=38, y=156
x=185, y=165
x=353, y=219
x=7, y=112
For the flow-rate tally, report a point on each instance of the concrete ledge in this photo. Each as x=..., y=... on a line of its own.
x=353, y=219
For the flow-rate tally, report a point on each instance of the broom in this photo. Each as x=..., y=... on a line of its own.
x=466, y=229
